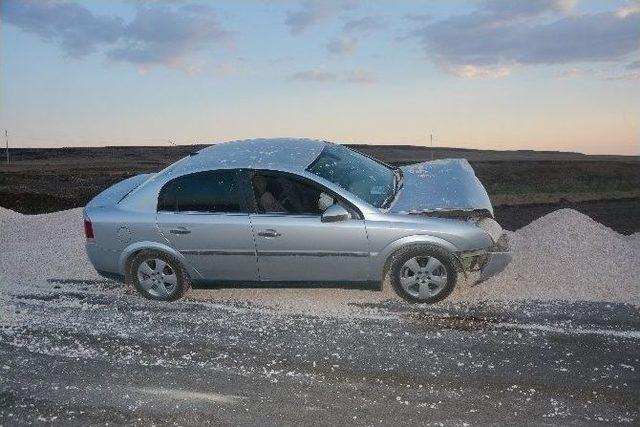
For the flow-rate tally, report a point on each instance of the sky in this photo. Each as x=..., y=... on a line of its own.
x=489, y=74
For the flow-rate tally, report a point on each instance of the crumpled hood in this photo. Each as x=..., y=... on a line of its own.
x=441, y=185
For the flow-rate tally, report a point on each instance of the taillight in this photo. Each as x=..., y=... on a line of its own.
x=88, y=229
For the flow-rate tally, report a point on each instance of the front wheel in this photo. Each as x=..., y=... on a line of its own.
x=423, y=274
x=158, y=276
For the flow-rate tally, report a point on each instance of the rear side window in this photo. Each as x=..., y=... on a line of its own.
x=211, y=191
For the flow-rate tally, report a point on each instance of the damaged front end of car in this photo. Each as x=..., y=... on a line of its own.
x=489, y=261
x=449, y=188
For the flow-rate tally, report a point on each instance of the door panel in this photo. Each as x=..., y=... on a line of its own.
x=302, y=248
x=219, y=246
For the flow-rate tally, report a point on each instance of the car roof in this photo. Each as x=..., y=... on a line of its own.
x=284, y=154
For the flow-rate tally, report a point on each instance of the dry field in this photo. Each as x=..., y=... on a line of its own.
x=523, y=185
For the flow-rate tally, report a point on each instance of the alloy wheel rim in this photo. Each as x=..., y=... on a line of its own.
x=423, y=277
x=157, y=277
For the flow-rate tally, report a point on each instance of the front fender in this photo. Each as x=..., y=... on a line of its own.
x=380, y=259
x=145, y=245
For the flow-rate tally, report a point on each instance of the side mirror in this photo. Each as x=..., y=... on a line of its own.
x=335, y=213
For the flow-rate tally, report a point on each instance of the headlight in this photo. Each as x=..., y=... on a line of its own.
x=492, y=228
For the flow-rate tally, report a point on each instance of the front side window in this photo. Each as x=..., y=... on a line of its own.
x=362, y=176
x=282, y=194
x=210, y=191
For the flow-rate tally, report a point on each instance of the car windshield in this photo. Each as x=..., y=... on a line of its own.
x=362, y=176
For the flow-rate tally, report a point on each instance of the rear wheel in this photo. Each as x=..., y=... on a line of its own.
x=158, y=276
x=423, y=274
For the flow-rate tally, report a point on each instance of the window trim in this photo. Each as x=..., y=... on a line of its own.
x=252, y=203
x=242, y=202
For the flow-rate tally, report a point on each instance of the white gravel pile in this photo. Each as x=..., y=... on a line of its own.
x=7, y=215
x=566, y=255
x=37, y=248
x=562, y=256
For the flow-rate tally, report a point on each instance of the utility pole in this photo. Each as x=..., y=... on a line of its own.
x=431, y=139
x=6, y=142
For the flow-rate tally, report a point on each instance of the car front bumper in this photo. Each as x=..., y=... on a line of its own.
x=488, y=262
x=496, y=262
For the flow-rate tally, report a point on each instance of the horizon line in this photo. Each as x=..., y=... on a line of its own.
x=426, y=147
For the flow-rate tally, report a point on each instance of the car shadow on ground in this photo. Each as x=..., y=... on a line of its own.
x=364, y=286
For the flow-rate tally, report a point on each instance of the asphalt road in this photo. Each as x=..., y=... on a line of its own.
x=92, y=354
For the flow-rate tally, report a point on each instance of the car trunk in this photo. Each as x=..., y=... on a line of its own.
x=118, y=191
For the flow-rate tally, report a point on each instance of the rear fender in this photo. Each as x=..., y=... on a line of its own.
x=380, y=261
x=147, y=245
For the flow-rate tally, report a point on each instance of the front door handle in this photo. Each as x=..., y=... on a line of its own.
x=269, y=233
x=179, y=230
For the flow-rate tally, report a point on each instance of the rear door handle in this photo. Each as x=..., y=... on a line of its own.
x=269, y=233
x=179, y=230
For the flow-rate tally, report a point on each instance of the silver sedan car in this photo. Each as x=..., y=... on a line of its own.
x=297, y=211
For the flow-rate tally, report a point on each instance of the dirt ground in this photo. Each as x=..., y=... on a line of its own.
x=523, y=185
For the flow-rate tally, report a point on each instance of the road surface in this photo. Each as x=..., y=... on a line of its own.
x=90, y=353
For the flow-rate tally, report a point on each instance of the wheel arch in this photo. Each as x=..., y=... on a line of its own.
x=385, y=255
x=137, y=247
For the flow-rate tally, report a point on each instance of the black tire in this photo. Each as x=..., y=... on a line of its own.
x=446, y=258
x=177, y=291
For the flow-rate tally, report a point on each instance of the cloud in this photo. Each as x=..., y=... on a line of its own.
x=314, y=12
x=158, y=35
x=361, y=77
x=76, y=30
x=472, y=71
x=353, y=31
x=317, y=76
x=500, y=35
x=634, y=75
x=604, y=72
x=629, y=9
x=314, y=76
x=571, y=73
x=418, y=17
x=341, y=46
x=161, y=35
x=514, y=9
x=365, y=25
x=635, y=65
